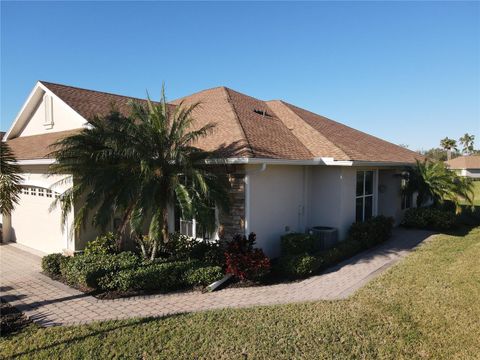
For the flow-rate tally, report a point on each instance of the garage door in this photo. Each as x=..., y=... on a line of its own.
x=34, y=225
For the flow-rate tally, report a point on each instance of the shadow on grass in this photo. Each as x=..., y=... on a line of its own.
x=114, y=326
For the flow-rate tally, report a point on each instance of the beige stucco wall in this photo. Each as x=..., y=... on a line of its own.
x=276, y=204
x=389, y=196
x=332, y=198
x=285, y=199
x=64, y=118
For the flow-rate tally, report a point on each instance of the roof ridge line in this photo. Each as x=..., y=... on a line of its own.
x=299, y=117
x=95, y=91
x=223, y=87
x=229, y=99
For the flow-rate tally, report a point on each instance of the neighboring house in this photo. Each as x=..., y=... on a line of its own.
x=468, y=166
x=290, y=169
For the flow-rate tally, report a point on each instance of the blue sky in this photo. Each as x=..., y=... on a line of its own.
x=408, y=72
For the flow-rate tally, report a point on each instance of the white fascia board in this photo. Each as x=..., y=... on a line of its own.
x=20, y=114
x=327, y=161
x=36, y=162
x=256, y=161
x=22, y=110
x=382, y=164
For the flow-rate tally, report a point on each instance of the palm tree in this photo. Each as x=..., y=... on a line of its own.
x=433, y=180
x=448, y=145
x=467, y=143
x=9, y=179
x=136, y=166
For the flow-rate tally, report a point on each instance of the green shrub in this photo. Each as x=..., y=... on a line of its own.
x=298, y=265
x=429, y=218
x=203, y=275
x=296, y=243
x=153, y=276
x=371, y=232
x=52, y=263
x=86, y=270
x=342, y=251
x=180, y=248
x=102, y=245
x=361, y=236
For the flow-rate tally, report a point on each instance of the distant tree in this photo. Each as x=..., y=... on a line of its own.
x=449, y=145
x=403, y=146
x=434, y=154
x=9, y=179
x=467, y=143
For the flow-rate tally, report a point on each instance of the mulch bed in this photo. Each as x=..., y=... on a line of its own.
x=12, y=320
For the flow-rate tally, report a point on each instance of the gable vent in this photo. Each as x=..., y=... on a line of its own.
x=48, y=104
x=262, y=112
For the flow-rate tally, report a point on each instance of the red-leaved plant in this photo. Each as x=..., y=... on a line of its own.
x=243, y=260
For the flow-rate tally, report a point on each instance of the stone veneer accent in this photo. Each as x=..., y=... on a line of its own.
x=234, y=222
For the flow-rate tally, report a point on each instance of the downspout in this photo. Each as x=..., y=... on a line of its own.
x=247, y=181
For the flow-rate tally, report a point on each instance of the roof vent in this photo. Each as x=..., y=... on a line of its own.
x=262, y=112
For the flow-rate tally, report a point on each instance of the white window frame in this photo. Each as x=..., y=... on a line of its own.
x=193, y=222
x=373, y=195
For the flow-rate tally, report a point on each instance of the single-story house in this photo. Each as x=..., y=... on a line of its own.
x=468, y=166
x=290, y=169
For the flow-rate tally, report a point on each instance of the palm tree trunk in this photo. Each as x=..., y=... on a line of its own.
x=123, y=226
x=154, y=250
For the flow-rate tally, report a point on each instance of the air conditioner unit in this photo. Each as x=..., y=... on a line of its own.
x=326, y=237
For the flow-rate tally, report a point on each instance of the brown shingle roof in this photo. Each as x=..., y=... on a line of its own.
x=356, y=145
x=246, y=127
x=464, y=162
x=36, y=146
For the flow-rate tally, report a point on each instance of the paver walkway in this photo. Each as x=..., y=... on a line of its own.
x=49, y=302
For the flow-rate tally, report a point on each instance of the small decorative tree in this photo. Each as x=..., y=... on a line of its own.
x=433, y=180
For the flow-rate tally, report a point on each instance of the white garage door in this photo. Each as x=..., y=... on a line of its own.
x=34, y=225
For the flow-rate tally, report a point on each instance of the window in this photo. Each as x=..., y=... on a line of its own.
x=40, y=192
x=191, y=227
x=364, y=195
x=48, y=193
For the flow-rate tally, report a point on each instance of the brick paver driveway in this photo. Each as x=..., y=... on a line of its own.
x=49, y=302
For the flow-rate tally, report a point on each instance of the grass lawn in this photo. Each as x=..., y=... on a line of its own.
x=427, y=306
x=476, y=188
x=476, y=191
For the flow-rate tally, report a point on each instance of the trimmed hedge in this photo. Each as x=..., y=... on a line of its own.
x=126, y=271
x=429, y=218
x=297, y=243
x=371, y=232
x=52, y=263
x=298, y=265
x=203, y=276
x=86, y=270
x=163, y=276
